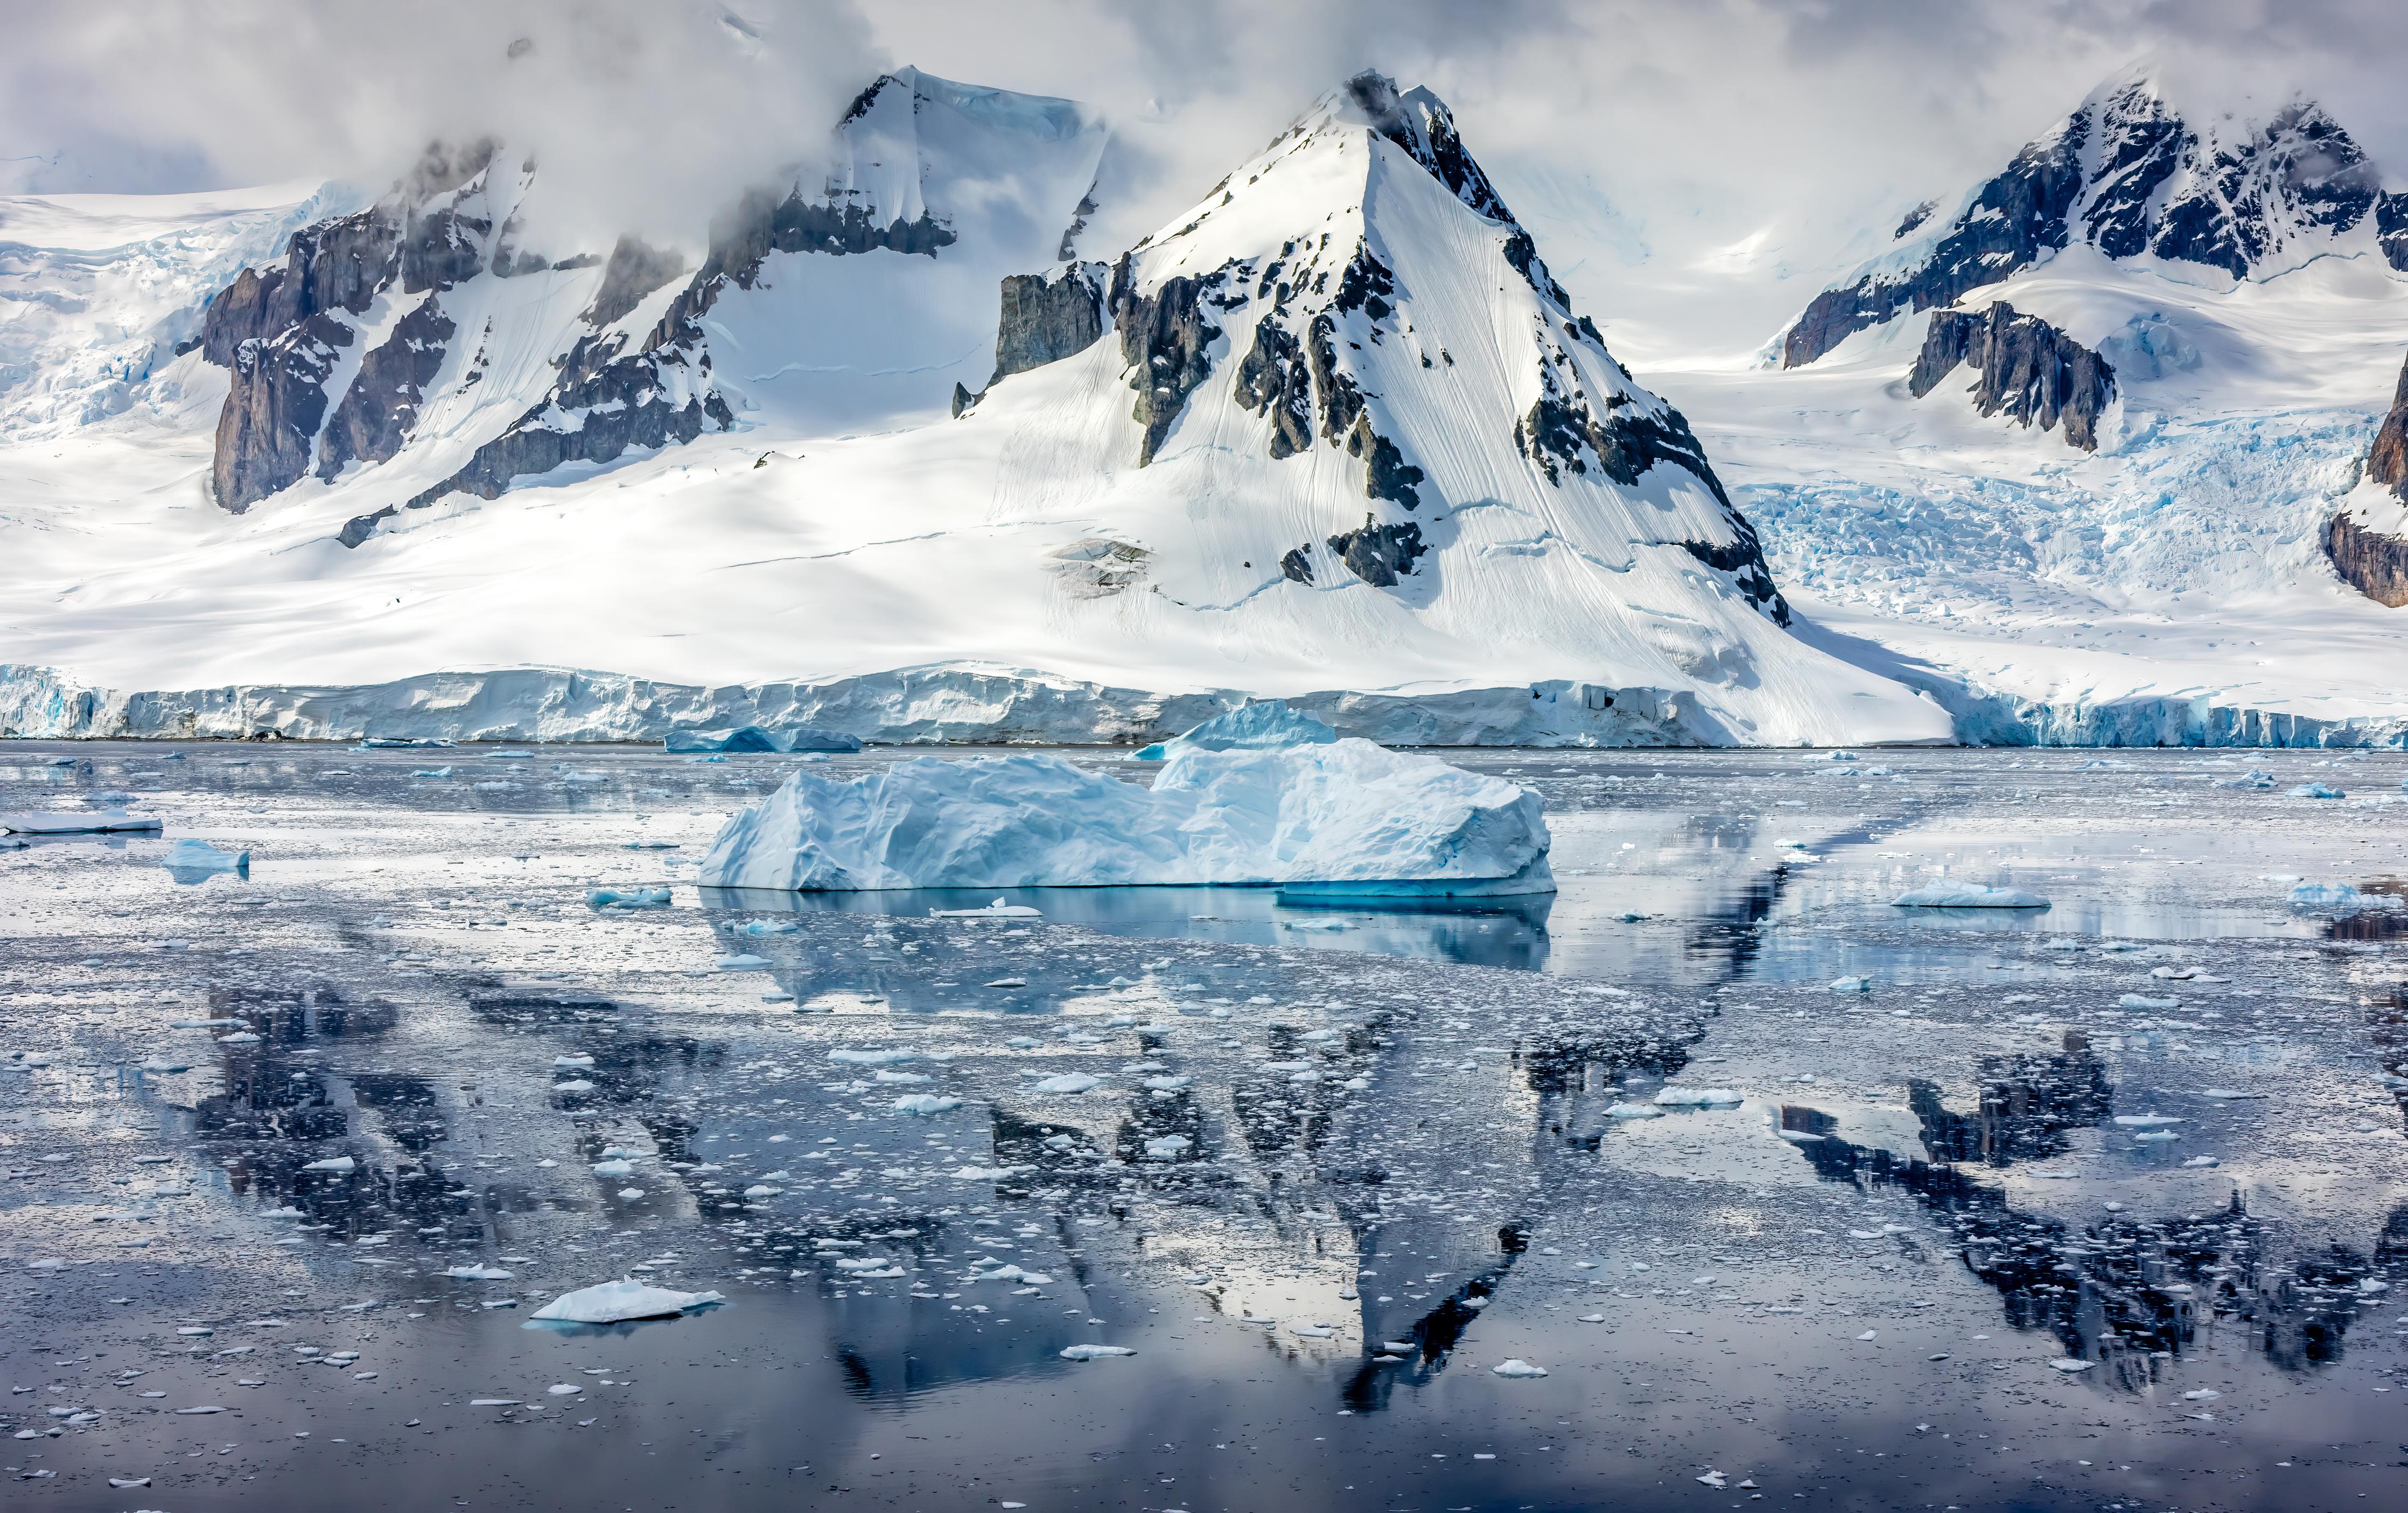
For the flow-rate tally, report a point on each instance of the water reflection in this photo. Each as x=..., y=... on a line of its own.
x=1494, y=932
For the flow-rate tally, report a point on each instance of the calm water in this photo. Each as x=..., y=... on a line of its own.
x=1334, y=1166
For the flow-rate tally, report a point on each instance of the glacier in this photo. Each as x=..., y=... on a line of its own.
x=1348, y=816
x=1259, y=727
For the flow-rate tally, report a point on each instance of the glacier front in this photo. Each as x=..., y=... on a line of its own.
x=1345, y=817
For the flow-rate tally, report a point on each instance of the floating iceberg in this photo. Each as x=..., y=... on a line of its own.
x=2316, y=790
x=1966, y=896
x=199, y=859
x=998, y=910
x=101, y=823
x=1699, y=1097
x=746, y=738
x=1343, y=817
x=2337, y=897
x=614, y=1302
x=627, y=898
x=1268, y=726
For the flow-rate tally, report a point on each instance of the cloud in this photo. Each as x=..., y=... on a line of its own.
x=644, y=115
x=1648, y=143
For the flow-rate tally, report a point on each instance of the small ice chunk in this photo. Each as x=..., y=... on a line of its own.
x=2070, y=1366
x=998, y=910
x=742, y=962
x=1095, y=1352
x=1070, y=1082
x=333, y=1164
x=1698, y=1098
x=2146, y=1121
x=2137, y=1001
x=1966, y=896
x=200, y=858
x=2316, y=790
x=618, y=1302
x=1852, y=984
x=1517, y=1367
x=1165, y=1147
x=480, y=1274
x=925, y=1103
x=614, y=1167
x=628, y=898
x=98, y=823
x=1634, y=1111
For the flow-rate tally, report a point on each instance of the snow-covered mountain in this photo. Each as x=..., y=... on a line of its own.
x=2070, y=456
x=1334, y=433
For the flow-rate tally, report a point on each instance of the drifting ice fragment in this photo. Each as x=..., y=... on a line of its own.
x=480, y=1274
x=925, y=1103
x=1852, y=984
x=2316, y=790
x=1634, y=1111
x=1264, y=727
x=199, y=859
x=104, y=822
x=1966, y=896
x=2135, y=1001
x=998, y=910
x=1517, y=1368
x=333, y=1164
x=1069, y=1082
x=2339, y=898
x=2070, y=1366
x=613, y=1303
x=1095, y=1352
x=1346, y=817
x=631, y=897
x=1698, y=1098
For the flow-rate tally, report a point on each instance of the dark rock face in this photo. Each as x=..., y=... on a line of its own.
x=2014, y=219
x=1273, y=379
x=2028, y=369
x=1167, y=338
x=1296, y=566
x=1379, y=554
x=1048, y=317
x=1915, y=219
x=2369, y=561
x=380, y=407
x=273, y=410
x=2154, y=185
x=2374, y=563
x=2387, y=462
x=633, y=271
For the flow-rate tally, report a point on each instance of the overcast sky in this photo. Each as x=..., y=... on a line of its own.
x=1692, y=170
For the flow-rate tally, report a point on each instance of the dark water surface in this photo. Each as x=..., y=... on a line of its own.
x=1334, y=1168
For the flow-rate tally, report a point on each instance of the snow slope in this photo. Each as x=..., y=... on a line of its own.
x=2173, y=585
x=1387, y=456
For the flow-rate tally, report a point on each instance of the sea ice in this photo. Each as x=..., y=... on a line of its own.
x=199, y=858
x=1329, y=819
x=101, y=822
x=2316, y=790
x=629, y=898
x=925, y=1103
x=1966, y=896
x=612, y=1303
x=1266, y=725
x=754, y=738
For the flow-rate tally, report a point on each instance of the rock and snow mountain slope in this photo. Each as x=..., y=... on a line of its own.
x=1335, y=428
x=2237, y=285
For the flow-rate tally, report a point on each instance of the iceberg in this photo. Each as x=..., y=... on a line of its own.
x=627, y=898
x=2316, y=790
x=2337, y=897
x=1342, y=817
x=1268, y=726
x=621, y=1302
x=754, y=738
x=103, y=823
x=193, y=860
x=1966, y=896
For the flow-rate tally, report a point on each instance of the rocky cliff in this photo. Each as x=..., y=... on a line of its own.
x=2026, y=368
x=2374, y=563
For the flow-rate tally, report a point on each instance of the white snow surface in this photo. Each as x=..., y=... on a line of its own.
x=1348, y=813
x=881, y=538
x=613, y=1303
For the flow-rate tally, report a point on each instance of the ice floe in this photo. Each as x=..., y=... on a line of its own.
x=623, y=1301
x=1966, y=896
x=1346, y=815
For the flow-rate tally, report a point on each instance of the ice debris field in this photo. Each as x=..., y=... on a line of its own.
x=466, y=1139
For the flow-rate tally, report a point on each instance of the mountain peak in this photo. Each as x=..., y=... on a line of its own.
x=2144, y=166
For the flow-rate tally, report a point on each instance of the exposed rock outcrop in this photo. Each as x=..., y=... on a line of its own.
x=380, y=407
x=1048, y=317
x=2029, y=370
x=272, y=412
x=2129, y=174
x=1379, y=554
x=2371, y=562
x=2374, y=563
x=1166, y=339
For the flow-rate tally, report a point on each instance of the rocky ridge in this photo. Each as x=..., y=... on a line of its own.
x=2131, y=175
x=2026, y=369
